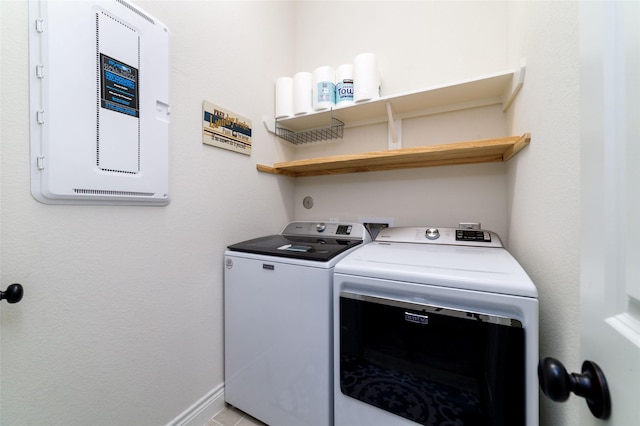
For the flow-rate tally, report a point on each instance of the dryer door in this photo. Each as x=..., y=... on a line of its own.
x=430, y=364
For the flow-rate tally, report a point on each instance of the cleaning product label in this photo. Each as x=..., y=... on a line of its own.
x=326, y=92
x=344, y=90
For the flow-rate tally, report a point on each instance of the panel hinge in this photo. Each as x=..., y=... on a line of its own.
x=40, y=25
x=40, y=162
x=40, y=71
x=40, y=117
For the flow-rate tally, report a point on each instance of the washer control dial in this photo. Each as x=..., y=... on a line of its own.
x=432, y=234
x=321, y=227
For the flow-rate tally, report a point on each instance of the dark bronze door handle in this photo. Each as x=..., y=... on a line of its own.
x=591, y=385
x=13, y=294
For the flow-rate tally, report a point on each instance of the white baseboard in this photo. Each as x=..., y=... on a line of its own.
x=202, y=410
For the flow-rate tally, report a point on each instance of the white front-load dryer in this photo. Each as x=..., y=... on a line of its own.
x=434, y=327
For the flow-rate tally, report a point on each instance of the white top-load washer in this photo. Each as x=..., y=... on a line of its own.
x=278, y=321
x=434, y=326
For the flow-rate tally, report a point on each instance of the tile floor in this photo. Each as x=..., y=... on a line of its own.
x=231, y=416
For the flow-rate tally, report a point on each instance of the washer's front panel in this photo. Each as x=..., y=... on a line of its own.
x=278, y=341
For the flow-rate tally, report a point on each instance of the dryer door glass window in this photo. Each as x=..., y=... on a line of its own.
x=432, y=365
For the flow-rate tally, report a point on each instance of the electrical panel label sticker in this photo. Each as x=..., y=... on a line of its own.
x=119, y=86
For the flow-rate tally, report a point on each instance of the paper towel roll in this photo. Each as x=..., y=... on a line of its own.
x=366, y=81
x=324, y=88
x=284, y=97
x=344, y=85
x=302, y=93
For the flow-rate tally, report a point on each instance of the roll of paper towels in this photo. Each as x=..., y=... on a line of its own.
x=284, y=97
x=366, y=80
x=344, y=85
x=324, y=88
x=302, y=93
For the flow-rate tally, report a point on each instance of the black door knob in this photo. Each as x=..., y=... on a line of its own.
x=13, y=294
x=557, y=384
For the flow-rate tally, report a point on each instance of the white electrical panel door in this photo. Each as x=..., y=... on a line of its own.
x=99, y=103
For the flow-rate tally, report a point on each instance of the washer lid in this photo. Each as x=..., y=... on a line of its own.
x=487, y=269
x=296, y=247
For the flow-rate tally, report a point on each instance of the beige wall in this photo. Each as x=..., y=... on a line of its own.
x=544, y=182
x=121, y=322
x=123, y=305
x=418, y=44
x=532, y=201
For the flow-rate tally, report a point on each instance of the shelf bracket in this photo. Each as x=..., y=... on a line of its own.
x=269, y=124
x=519, y=78
x=395, y=129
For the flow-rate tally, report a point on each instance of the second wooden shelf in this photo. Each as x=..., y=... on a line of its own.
x=479, y=151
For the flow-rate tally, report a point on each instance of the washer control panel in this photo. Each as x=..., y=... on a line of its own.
x=434, y=235
x=328, y=229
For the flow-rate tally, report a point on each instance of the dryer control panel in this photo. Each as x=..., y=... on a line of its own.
x=435, y=235
x=466, y=235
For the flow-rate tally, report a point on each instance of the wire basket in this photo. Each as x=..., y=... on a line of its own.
x=333, y=131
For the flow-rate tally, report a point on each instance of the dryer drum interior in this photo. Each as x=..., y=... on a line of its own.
x=432, y=365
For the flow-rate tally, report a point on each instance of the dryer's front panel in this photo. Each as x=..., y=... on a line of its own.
x=432, y=365
x=423, y=359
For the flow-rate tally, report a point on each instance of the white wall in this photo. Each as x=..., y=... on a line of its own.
x=418, y=44
x=121, y=322
x=123, y=306
x=532, y=201
x=544, y=180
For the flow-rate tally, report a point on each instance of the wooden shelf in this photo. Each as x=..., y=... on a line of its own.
x=499, y=88
x=480, y=151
